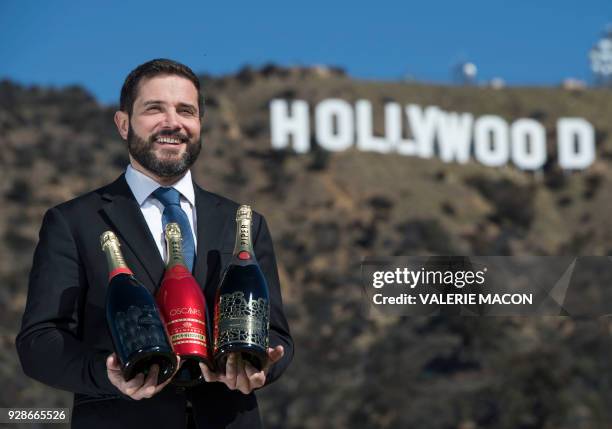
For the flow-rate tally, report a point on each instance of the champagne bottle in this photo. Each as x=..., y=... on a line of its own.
x=242, y=308
x=138, y=333
x=183, y=307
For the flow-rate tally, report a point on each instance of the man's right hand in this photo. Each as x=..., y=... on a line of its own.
x=138, y=387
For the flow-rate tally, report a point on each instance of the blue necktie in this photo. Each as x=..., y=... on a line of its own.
x=173, y=212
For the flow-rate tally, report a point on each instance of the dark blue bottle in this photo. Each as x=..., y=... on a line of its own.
x=242, y=305
x=134, y=321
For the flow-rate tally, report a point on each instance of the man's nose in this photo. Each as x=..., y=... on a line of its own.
x=171, y=119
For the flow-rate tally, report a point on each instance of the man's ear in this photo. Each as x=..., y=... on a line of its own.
x=122, y=121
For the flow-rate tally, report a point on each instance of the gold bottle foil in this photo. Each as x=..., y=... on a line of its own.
x=174, y=245
x=244, y=216
x=112, y=249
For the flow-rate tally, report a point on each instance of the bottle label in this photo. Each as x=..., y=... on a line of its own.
x=244, y=255
x=188, y=338
x=242, y=321
x=186, y=326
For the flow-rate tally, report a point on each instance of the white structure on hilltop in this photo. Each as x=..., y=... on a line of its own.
x=465, y=73
x=497, y=83
x=601, y=59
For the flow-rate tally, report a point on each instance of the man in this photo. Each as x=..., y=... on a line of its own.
x=64, y=341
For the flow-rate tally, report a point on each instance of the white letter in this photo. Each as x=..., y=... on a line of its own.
x=366, y=140
x=528, y=144
x=454, y=136
x=491, y=145
x=389, y=277
x=325, y=113
x=576, y=143
x=393, y=130
x=283, y=125
x=377, y=283
x=423, y=126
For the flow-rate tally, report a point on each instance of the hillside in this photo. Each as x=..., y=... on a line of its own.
x=326, y=212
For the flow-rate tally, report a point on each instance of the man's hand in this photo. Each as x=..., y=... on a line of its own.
x=138, y=387
x=240, y=374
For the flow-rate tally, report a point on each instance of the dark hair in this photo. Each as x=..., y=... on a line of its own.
x=156, y=67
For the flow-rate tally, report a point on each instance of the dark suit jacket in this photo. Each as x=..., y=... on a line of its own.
x=64, y=340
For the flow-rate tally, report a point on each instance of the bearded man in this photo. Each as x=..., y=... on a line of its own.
x=64, y=341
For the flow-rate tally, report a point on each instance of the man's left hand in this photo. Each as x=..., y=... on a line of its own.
x=240, y=374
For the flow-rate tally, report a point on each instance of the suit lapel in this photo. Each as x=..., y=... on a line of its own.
x=125, y=215
x=211, y=225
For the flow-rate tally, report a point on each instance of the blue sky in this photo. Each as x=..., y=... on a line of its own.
x=537, y=42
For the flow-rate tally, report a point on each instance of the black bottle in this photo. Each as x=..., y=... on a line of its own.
x=242, y=306
x=134, y=321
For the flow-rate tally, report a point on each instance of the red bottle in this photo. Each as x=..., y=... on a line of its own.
x=183, y=307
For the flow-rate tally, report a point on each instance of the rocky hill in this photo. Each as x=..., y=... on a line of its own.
x=326, y=212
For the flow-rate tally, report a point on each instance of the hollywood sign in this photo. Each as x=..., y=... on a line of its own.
x=451, y=136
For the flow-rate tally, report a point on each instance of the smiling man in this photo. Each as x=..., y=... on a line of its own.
x=161, y=125
x=64, y=341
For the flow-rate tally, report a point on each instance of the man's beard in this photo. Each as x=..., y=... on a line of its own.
x=142, y=151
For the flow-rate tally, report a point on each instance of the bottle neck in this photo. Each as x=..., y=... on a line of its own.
x=243, y=249
x=114, y=259
x=174, y=246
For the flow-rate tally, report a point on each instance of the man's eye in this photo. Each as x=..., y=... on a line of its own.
x=153, y=109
